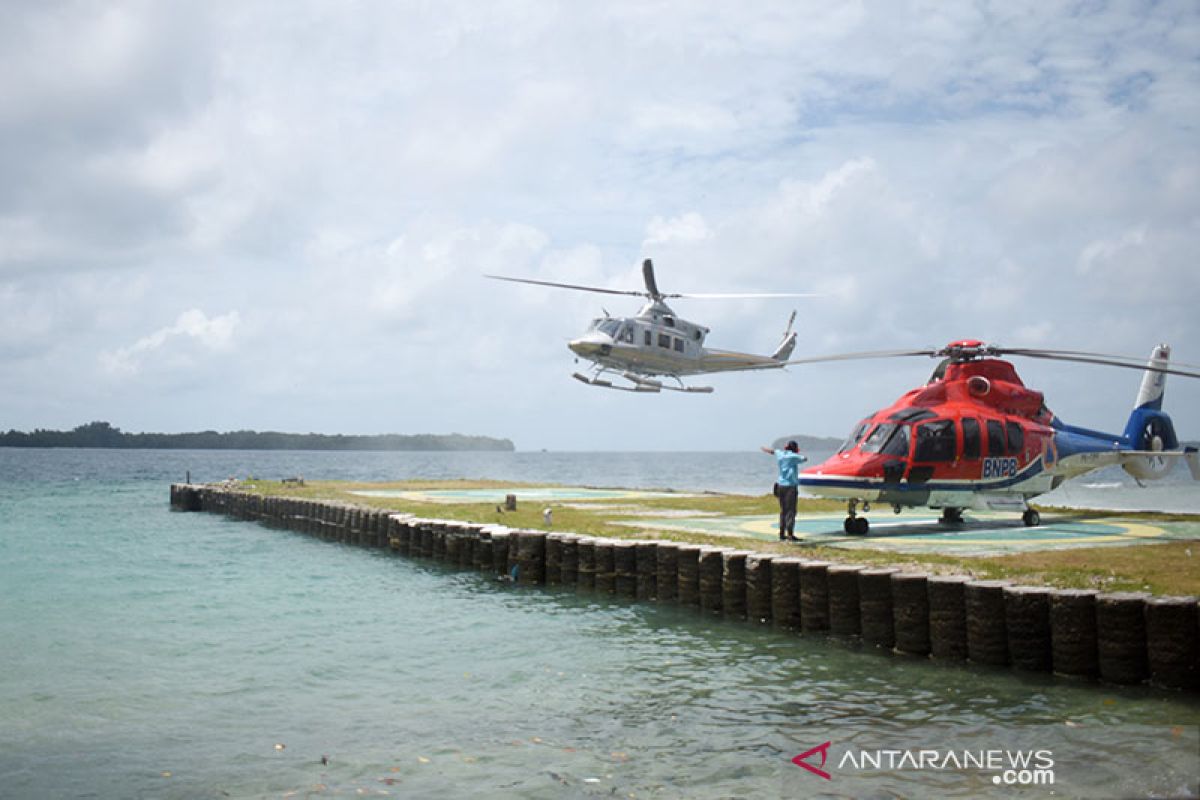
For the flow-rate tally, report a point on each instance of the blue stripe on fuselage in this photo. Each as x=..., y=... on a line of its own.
x=1034, y=469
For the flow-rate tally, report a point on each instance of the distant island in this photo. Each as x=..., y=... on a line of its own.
x=807, y=442
x=102, y=434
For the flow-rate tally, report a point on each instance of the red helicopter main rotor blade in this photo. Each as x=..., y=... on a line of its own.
x=862, y=355
x=1101, y=360
x=1135, y=361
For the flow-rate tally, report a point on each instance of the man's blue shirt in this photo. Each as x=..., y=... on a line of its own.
x=789, y=467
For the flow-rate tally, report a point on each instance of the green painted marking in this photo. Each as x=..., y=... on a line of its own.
x=981, y=534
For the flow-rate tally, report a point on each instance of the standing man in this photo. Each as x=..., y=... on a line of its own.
x=787, y=487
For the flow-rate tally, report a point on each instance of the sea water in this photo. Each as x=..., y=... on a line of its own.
x=145, y=653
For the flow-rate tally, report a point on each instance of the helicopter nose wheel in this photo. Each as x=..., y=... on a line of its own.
x=951, y=516
x=855, y=525
x=1031, y=518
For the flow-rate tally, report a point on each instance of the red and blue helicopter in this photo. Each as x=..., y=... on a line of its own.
x=976, y=437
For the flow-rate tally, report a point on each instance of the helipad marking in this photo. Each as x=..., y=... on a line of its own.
x=981, y=534
x=531, y=494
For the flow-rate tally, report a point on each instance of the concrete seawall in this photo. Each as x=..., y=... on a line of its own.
x=1120, y=638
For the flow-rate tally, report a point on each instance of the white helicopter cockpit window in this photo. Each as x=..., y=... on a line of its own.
x=625, y=333
x=608, y=326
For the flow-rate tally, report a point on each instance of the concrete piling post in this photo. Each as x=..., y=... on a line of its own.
x=426, y=538
x=758, y=587
x=687, y=571
x=845, y=617
x=948, y=616
x=453, y=544
x=502, y=546
x=814, y=596
x=785, y=593
x=987, y=634
x=875, y=607
x=667, y=569
x=712, y=568
x=586, y=577
x=397, y=536
x=531, y=557
x=1121, y=637
x=910, y=612
x=606, y=575
x=733, y=584
x=554, y=548
x=625, y=569
x=1027, y=620
x=1172, y=648
x=569, y=572
x=483, y=557
x=646, y=558
x=472, y=535
x=440, y=530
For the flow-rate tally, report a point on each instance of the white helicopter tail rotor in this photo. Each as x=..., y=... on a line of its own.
x=784, y=351
x=651, y=284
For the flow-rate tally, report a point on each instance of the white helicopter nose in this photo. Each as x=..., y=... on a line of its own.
x=590, y=345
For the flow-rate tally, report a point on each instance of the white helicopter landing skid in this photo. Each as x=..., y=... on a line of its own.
x=640, y=384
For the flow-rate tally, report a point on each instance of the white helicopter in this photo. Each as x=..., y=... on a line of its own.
x=657, y=343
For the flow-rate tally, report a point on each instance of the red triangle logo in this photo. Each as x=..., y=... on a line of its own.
x=823, y=749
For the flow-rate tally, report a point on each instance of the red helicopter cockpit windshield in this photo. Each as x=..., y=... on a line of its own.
x=889, y=439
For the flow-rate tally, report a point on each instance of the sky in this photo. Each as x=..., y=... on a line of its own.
x=277, y=215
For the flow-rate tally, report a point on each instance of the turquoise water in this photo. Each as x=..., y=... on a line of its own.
x=155, y=654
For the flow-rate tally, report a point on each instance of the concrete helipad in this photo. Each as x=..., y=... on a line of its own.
x=986, y=533
x=533, y=494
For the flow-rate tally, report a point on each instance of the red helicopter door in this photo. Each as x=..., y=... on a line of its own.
x=936, y=445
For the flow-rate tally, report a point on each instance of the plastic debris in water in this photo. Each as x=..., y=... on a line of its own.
x=280, y=746
x=423, y=759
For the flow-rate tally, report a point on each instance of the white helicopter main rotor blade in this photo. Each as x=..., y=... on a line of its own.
x=739, y=295
x=567, y=286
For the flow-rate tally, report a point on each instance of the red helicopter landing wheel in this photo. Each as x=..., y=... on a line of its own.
x=951, y=516
x=856, y=526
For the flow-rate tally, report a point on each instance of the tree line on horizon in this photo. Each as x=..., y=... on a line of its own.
x=104, y=435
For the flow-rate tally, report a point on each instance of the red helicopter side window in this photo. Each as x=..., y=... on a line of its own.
x=971, y=438
x=995, y=432
x=1016, y=438
x=936, y=441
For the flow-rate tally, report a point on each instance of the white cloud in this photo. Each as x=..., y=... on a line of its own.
x=689, y=227
x=193, y=326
